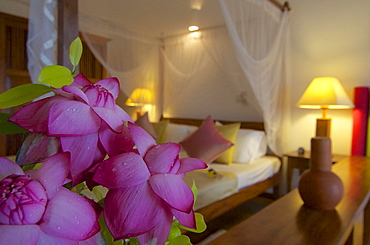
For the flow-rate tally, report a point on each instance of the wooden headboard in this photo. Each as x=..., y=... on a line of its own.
x=198, y=122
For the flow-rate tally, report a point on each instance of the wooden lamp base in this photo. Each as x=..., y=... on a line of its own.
x=323, y=127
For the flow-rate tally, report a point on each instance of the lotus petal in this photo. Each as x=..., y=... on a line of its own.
x=82, y=149
x=176, y=166
x=77, y=92
x=110, y=118
x=187, y=220
x=72, y=118
x=173, y=190
x=80, y=81
x=98, y=211
x=52, y=173
x=114, y=143
x=8, y=168
x=143, y=140
x=36, y=147
x=109, y=102
x=122, y=171
x=190, y=164
x=46, y=239
x=122, y=114
x=111, y=84
x=159, y=234
x=33, y=117
x=69, y=215
x=19, y=234
x=97, y=239
x=100, y=153
x=126, y=210
x=99, y=97
x=161, y=158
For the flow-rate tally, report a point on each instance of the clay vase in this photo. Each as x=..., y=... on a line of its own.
x=319, y=187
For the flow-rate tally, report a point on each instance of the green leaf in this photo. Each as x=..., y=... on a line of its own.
x=32, y=166
x=134, y=241
x=200, y=224
x=28, y=167
x=175, y=231
x=180, y=240
x=22, y=94
x=194, y=189
x=79, y=188
x=56, y=76
x=7, y=127
x=98, y=191
x=75, y=51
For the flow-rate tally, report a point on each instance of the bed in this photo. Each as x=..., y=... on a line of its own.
x=231, y=184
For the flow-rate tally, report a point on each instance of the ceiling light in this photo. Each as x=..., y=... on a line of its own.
x=193, y=28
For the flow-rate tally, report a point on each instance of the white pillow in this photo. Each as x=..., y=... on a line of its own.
x=249, y=145
x=178, y=132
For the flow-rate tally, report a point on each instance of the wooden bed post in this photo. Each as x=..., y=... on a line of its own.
x=67, y=29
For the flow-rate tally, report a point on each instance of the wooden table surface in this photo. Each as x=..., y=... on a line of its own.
x=288, y=221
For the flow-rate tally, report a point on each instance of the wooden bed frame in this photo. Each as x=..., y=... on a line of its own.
x=220, y=207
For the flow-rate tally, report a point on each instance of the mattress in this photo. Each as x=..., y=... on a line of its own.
x=229, y=179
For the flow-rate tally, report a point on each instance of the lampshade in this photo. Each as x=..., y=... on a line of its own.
x=140, y=97
x=325, y=93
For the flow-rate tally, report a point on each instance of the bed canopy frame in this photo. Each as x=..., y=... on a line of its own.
x=257, y=30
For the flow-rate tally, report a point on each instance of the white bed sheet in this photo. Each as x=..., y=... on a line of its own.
x=230, y=178
x=249, y=174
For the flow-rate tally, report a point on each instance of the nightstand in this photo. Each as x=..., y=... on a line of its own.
x=302, y=163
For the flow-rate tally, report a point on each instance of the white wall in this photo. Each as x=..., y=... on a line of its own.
x=329, y=38
x=210, y=86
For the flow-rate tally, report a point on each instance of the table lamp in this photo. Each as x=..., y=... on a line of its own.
x=139, y=97
x=324, y=93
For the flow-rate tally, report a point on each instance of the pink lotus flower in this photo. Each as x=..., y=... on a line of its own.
x=36, y=209
x=146, y=189
x=83, y=117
